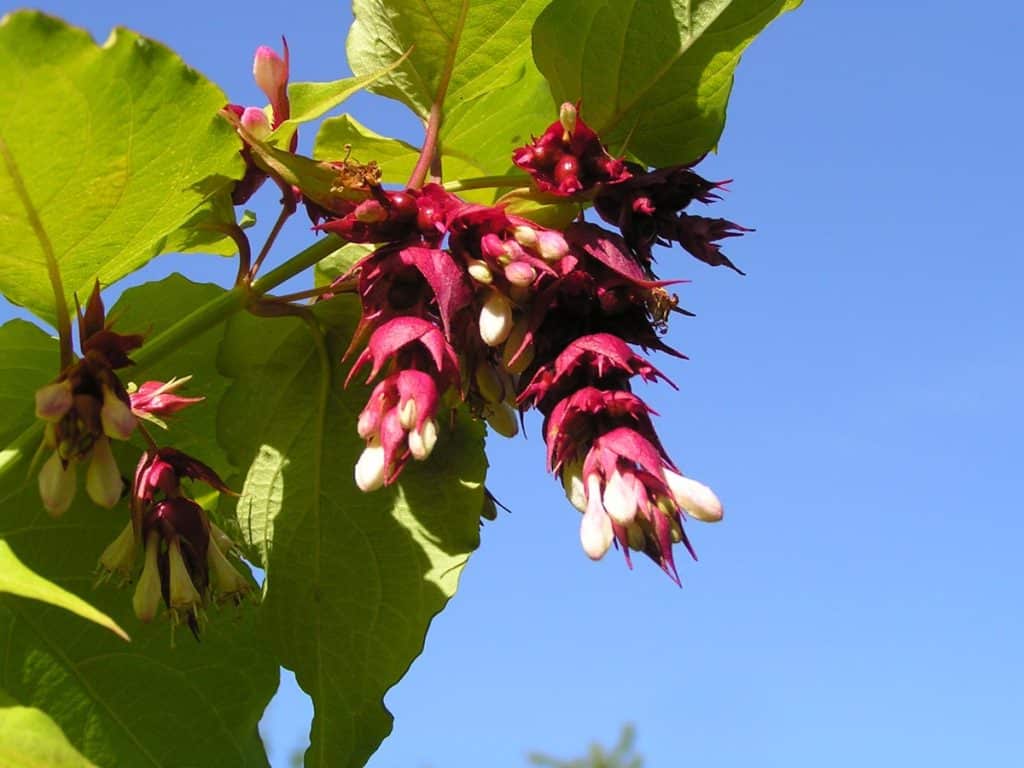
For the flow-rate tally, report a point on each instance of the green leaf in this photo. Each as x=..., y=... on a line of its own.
x=654, y=78
x=463, y=54
x=30, y=739
x=28, y=360
x=206, y=230
x=145, y=703
x=17, y=579
x=106, y=152
x=308, y=101
x=339, y=262
x=344, y=136
x=457, y=50
x=353, y=579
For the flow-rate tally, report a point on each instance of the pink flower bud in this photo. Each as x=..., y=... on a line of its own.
x=699, y=501
x=146, y=600
x=370, y=212
x=53, y=401
x=117, y=418
x=369, y=470
x=520, y=273
x=551, y=245
x=57, y=485
x=495, y=320
x=256, y=123
x=103, y=479
x=157, y=398
x=271, y=74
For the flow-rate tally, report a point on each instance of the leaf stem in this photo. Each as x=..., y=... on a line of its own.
x=52, y=267
x=426, y=159
x=282, y=217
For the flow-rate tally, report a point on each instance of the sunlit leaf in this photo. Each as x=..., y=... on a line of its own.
x=653, y=78
x=106, y=151
x=353, y=579
x=30, y=739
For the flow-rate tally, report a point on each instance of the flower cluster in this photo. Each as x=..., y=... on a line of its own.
x=470, y=302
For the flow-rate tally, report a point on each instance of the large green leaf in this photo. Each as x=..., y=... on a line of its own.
x=458, y=49
x=106, y=151
x=353, y=579
x=30, y=739
x=654, y=77
x=144, y=703
x=18, y=579
x=463, y=54
x=28, y=360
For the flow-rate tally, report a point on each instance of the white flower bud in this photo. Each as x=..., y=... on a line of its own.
x=370, y=468
x=57, y=485
x=421, y=443
x=407, y=414
x=488, y=384
x=596, y=532
x=495, y=320
x=699, y=501
x=103, y=479
x=480, y=272
x=517, y=363
x=525, y=236
x=619, y=499
x=53, y=401
x=551, y=245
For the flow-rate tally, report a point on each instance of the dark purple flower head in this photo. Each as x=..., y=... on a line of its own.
x=406, y=216
x=568, y=157
x=410, y=342
x=158, y=398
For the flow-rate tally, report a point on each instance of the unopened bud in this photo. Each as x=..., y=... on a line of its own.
x=567, y=117
x=551, y=245
x=270, y=72
x=255, y=122
x=480, y=272
x=53, y=401
x=227, y=581
x=183, y=593
x=116, y=416
x=146, y=600
x=369, y=470
x=368, y=424
x=525, y=236
x=514, y=355
x=103, y=479
x=422, y=442
x=635, y=537
x=370, y=212
x=119, y=556
x=572, y=482
x=596, y=531
x=699, y=501
x=521, y=274
x=221, y=539
x=619, y=499
x=495, y=320
x=57, y=485
x=488, y=384
x=407, y=413
x=501, y=417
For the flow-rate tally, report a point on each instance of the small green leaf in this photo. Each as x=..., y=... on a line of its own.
x=107, y=151
x=206, y=230
x=546, y=210
x=18, y=579
x=339, y=262
x=28, y=360
x=30, y=739
x=353, y=579
x=654, y=78
x=344, y=136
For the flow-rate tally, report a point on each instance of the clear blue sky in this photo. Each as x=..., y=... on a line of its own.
x=855, y=400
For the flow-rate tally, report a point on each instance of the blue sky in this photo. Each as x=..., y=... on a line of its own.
x=855, y=400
